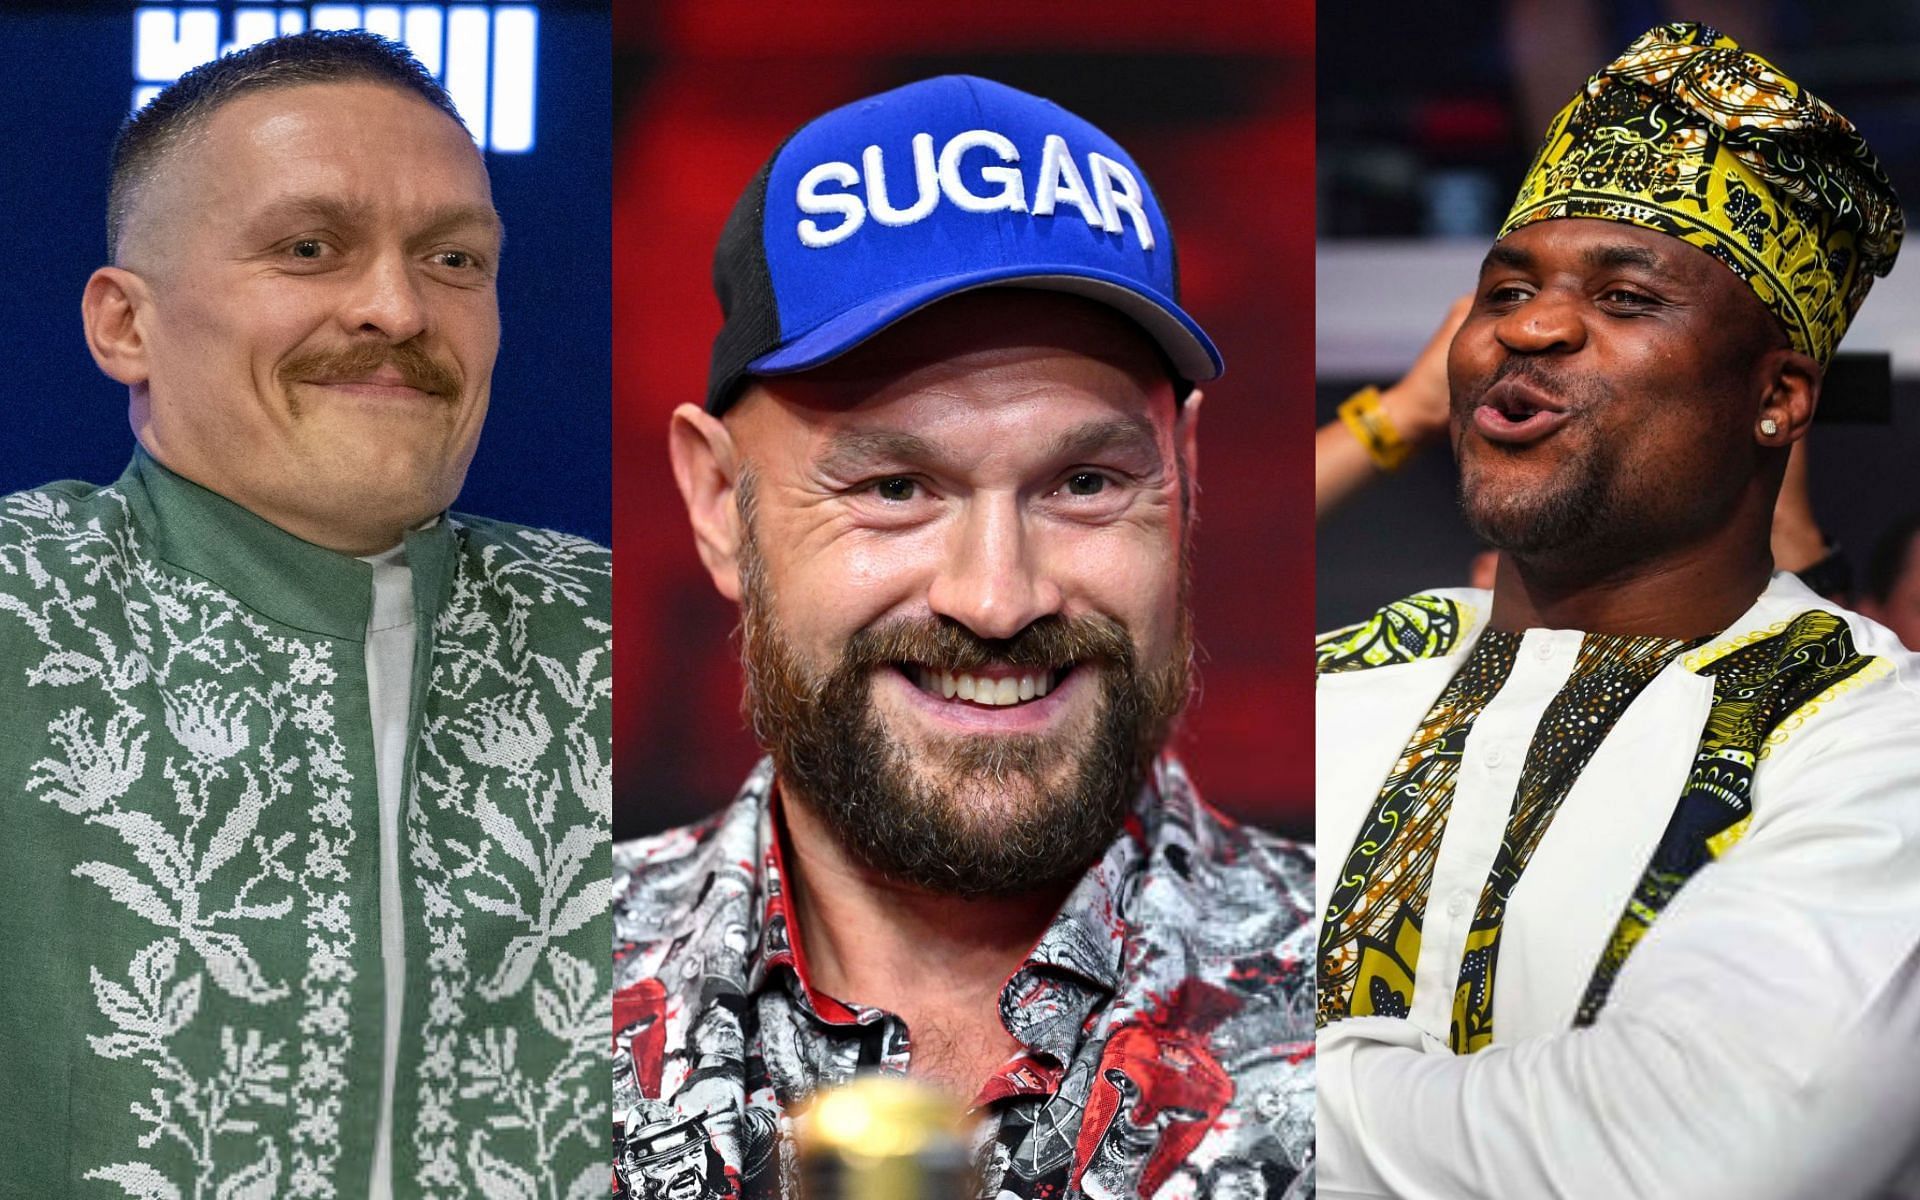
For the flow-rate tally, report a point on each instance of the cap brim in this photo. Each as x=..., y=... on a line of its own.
x=1193, y=354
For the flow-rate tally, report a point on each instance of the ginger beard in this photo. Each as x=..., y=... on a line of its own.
x=989, y=815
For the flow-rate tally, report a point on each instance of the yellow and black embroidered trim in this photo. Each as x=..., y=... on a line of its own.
x=1370, y=937
x=1609, y=673
x=1757, y=689
x=1407, y=630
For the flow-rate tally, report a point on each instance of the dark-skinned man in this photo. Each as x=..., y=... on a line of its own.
x=1628, y=901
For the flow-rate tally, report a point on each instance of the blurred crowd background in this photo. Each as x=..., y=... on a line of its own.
x=1215, y=101
x=1423, y=138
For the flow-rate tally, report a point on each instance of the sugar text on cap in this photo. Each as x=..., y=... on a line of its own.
x=1113, y=191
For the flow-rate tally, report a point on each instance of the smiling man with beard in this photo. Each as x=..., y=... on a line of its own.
x=1629, y=894
x=945, y=469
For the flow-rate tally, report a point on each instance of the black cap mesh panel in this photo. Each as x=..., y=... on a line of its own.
x=750, y=316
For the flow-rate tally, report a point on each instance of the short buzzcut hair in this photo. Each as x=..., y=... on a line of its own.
x=316, y=56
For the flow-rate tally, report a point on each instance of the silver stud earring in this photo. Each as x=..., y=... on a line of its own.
x=1769, y=426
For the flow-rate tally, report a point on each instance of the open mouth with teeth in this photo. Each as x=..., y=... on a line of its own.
x=992, y=687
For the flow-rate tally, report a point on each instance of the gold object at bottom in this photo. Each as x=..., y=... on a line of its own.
x=885, y=1137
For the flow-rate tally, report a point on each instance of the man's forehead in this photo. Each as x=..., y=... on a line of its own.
x=347, y=152
x=991, y=348
x=1025, y=411
x=1598, y=245
x=1003, y=448
x=309, y=133
x=351, y=208
x=1586, y=239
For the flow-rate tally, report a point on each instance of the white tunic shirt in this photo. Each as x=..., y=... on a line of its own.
x=1762, y=1039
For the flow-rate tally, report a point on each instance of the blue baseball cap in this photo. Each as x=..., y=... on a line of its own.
x=878, y=209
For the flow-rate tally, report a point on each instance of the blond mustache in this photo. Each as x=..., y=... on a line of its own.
x=417, y=368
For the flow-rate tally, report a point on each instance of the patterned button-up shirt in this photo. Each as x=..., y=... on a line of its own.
x=1164, y=1020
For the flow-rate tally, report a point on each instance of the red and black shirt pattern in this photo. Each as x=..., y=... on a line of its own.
x=1164, y=1020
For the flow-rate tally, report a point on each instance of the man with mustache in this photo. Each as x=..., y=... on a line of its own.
x=1628, y=895
x=945, y=468
x=307, y=775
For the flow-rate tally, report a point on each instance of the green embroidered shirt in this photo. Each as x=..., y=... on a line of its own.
x=191, y=1001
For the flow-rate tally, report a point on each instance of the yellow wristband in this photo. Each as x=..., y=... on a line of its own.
x=1362, y=415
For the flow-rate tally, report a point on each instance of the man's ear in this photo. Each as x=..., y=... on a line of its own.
x=1792, y=394
x=707, y=471
x=1186, y=443
x=112, y=309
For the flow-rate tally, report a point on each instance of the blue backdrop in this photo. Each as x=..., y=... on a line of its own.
x=66, y=82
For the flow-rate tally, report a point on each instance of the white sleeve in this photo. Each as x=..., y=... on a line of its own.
x=1762, y=1042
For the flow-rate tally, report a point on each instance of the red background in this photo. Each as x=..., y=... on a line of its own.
x=1215, y=103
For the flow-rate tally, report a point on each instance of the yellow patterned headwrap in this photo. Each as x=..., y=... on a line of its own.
x=1690, y=135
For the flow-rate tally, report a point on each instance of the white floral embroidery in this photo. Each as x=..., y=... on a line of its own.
x=507, y=827
x=197, y=750
x=209, y=725
x=243, y=721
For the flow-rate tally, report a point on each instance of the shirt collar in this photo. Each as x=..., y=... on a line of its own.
x=1086, y=939
x=781, y=953
x=291, y=581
